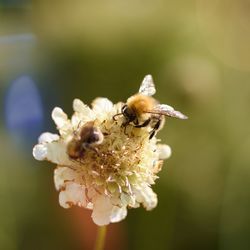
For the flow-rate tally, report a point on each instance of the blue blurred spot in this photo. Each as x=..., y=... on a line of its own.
x=23, y=111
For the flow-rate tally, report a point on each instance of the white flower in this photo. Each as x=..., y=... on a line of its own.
x=116, y=175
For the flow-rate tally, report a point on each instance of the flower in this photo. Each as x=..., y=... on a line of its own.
x=116, y=175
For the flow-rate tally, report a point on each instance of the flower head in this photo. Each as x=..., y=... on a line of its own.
x=116, y=175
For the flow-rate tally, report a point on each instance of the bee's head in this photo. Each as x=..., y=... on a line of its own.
x=128, y=113
x=95, y=136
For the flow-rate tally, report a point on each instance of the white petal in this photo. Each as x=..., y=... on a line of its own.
x=74, y=194
x=59, y=117
x=102, y=105
x=63, y=175
x=40, y=152
x=118, y=214
x=82, y=114
x=146, y=196
x=164, y=151
x=48, y=137
x=102, y=210
x=127, y=200
x=54, y=152
x=79, y=106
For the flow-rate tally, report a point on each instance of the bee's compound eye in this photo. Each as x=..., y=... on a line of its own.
x=94, y=137
x=124, y=109
x=128, y=113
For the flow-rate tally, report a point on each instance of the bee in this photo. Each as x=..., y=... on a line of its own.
x=87, y=137
x=143, y=110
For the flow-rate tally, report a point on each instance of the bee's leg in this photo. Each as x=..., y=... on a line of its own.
x=94, y=149
x=125, y=124
x=151, y=134
x=155, y=128
x=90, y=147
x=125, y=129
x=144, y=124
x=136, y=122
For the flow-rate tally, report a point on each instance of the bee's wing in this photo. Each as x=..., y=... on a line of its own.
x=164, y=109
x=147, y=86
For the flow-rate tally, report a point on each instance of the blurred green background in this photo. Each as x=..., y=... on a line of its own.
x=199, y=55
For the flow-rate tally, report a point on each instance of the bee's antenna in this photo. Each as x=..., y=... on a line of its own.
x=114, y=117
x=78, y=126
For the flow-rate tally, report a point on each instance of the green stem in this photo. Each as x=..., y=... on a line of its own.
x=100, y=239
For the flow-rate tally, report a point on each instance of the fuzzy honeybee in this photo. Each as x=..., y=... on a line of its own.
x=87, y=137
x=142, y=109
